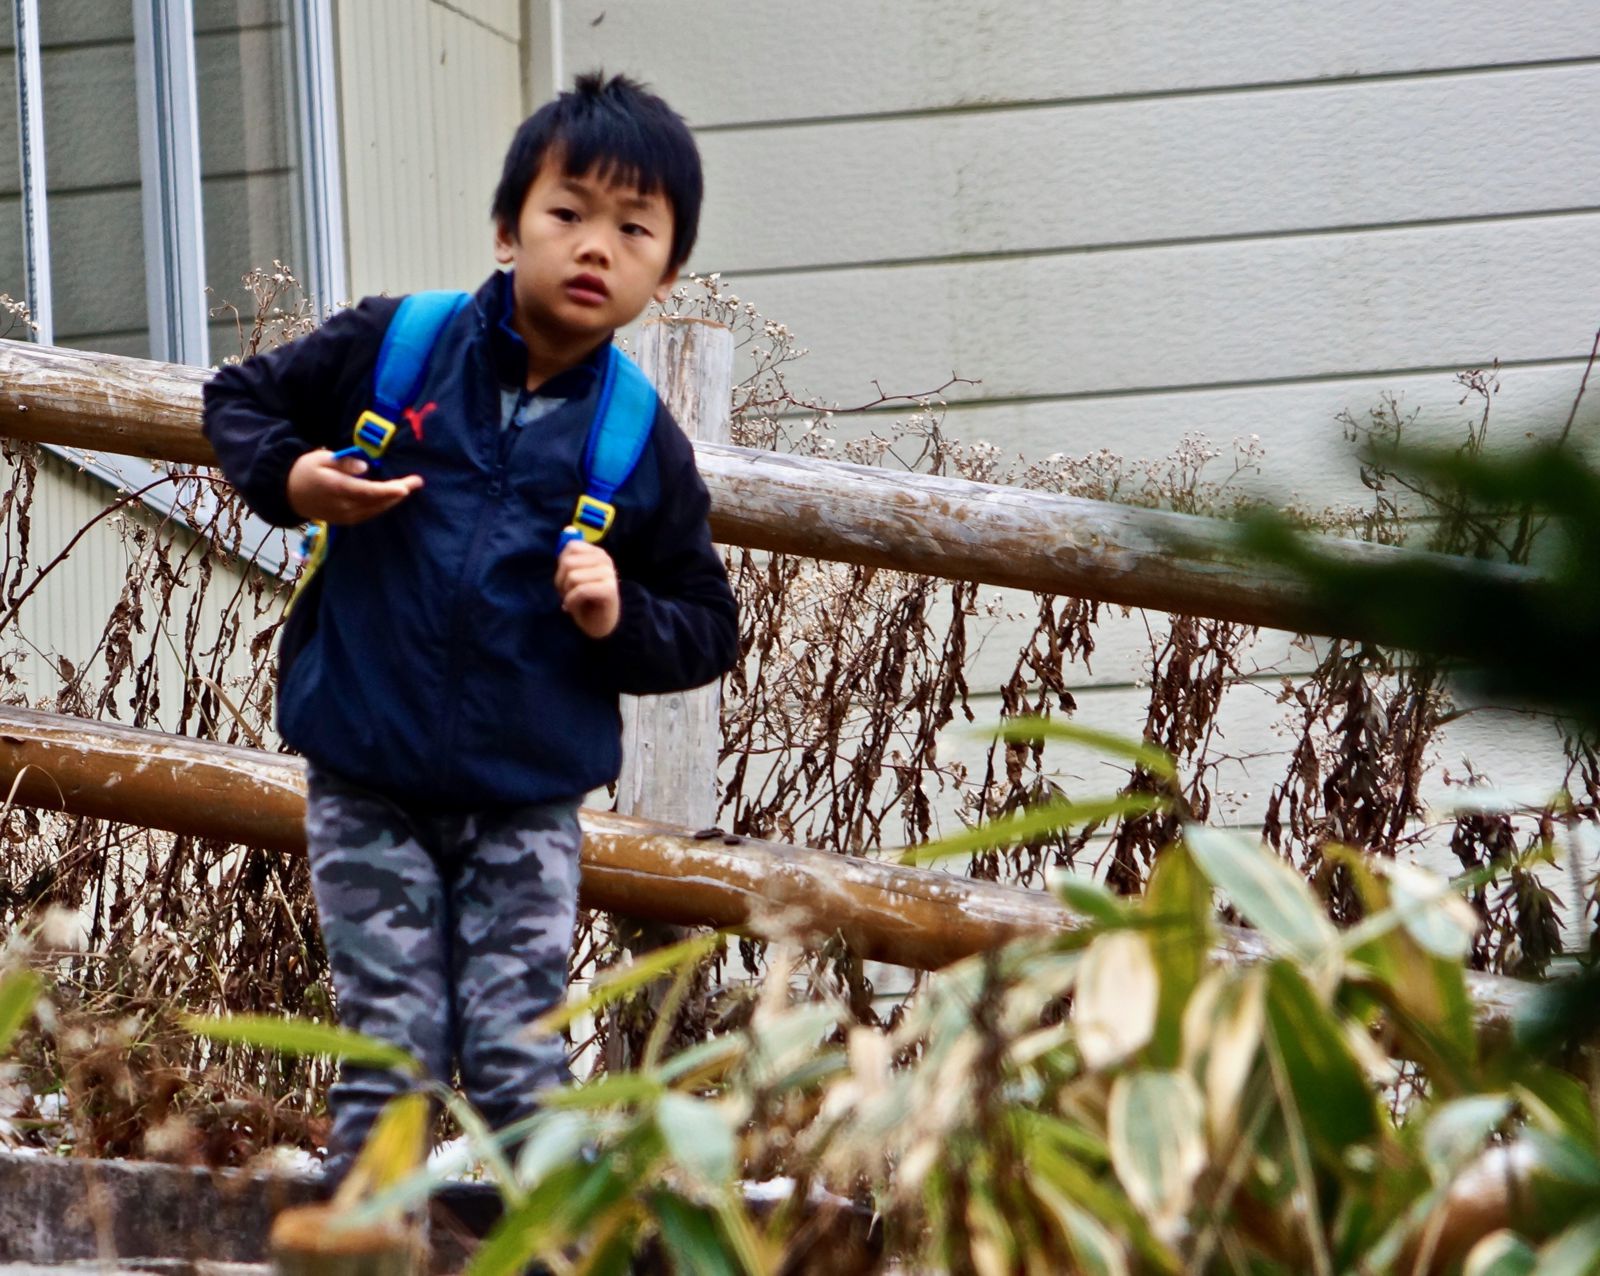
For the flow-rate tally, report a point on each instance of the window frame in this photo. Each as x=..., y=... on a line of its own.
x=171, y=201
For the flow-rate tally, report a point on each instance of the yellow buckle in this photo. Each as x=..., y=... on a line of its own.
x=373, y=433
x=593, y=518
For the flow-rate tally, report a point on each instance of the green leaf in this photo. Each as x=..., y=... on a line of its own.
x=1433, y=914
x=19, y=989
x=1456, y=1132
x=573, y=1201
x=1095, y=1249
x=558, y=1139
x=1557, y=1102
x=1155, y=1124
x=1115, y=999
x=691, y=1237
x=613, y=1090
x=704, y=1059
x=1576, y=1252
x=1336, y=1105
x=619, y=982
x=698, y=1137
x=1222, y=1027
x=1030, y=730
x=1030, y=825
x=296, y=1036
x=1272, y=896
x=1178, y=905
x=1501, y=1253
x=1088, y=898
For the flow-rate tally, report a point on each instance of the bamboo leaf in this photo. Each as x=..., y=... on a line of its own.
x=1178, y=906
x=570, y=1202
x=1501, y=1253
x=394, y=1150
x=1094, y=1248
x=296, y=1036
x=1222, y=1026
x=1431, y=910
x=1575, y=1252
x=698, y=1138
x=614, y=1090
x=1336, y=1105
x=19, y=989
x=619, y=982
x=1088, y=898
x=1030, y=730
x=557, y=1139
x=1115, y=1000
x=1272, y=896
x=1030, y=825
x=1456, y=1132
x=690, y=1236
x=1155, y=1124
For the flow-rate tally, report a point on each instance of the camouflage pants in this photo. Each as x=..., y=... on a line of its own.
x=447, y=935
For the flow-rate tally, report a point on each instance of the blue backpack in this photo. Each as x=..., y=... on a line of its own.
x=623, y=419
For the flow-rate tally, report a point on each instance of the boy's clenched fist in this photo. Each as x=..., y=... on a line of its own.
x=586, y=579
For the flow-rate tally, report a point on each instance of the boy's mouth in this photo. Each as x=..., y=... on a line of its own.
x=588, y=290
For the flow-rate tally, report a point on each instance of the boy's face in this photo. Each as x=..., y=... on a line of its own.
x=588, y=255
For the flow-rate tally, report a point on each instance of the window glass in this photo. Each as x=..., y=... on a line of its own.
x=91, y=139
x=249, y=179
x=13, y=281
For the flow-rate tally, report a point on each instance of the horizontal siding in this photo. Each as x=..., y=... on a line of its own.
x=1106, y=174
x=428, y=98
x=1308, y=460
x=1194, y=316
x=67, y=614
x=832, y=58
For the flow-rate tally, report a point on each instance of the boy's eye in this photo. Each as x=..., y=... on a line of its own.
x=564, y=214
x=633, y=228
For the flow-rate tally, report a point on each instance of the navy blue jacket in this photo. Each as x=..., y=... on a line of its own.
x=430, y=659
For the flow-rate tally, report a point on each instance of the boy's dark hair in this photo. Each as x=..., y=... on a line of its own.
x=621, y=130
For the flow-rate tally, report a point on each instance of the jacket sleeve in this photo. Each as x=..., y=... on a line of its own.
x=679, y=625
x=262, y=415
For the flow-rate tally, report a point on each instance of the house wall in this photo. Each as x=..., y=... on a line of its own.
x=1131, y=221
x=92, y=163
x=429, y=95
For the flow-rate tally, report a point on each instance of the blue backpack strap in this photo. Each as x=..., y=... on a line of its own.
x=623, y=420
x=402, y=363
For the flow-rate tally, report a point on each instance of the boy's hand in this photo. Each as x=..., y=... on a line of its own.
x=586, y=579
x=331, y=491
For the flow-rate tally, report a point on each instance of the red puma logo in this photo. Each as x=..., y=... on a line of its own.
x=414, y=417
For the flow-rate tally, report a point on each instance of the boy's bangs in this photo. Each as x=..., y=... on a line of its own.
x=612, y=160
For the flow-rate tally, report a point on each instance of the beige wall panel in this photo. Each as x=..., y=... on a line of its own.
x=429, y=99
x=1517, y=752
x=244, y=70
x=723, y=62
x=68, y=613
x=1154, y=169
x=1308, y=460
x=85, y=90
x=1194, y=316
x=503, y=17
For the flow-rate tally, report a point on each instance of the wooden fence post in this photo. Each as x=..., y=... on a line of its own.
x=670, y=743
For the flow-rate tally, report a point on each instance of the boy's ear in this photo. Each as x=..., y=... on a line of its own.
x=664, y=288
x=505, y=243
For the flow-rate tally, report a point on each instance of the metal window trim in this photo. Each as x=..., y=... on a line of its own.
x=169, y=171
x=325, y=271
x=30, y=139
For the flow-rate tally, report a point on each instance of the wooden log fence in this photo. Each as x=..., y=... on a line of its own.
x=889, y=912
x=762, y=500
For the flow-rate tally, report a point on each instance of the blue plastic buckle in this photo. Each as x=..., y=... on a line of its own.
x=372, y=436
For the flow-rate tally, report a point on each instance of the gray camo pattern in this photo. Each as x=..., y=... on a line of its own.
x=446, y=935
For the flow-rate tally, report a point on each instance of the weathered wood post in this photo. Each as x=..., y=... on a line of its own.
x=670, y=743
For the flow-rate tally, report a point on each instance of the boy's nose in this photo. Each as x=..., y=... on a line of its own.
x=594, y=249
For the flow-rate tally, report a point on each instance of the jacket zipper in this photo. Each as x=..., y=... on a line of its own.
x=495, y=491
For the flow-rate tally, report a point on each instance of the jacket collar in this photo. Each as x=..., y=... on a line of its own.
x=508, y=353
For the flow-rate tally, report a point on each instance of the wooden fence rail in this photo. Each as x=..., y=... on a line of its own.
x=824, y=509
x=889, y=912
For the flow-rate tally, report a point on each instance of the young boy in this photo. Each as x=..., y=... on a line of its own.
x=451, y=680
